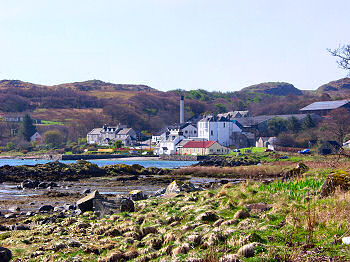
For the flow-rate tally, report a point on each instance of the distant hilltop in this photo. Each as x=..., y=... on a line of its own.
x=337, y=85
x=89, y=85
x=274, y=88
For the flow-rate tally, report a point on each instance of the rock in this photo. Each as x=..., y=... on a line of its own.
x=253, y=237
x=14, y=209
x=46, y=209
x=116, y=257
x=87, y=191
x=69, y=207
x=218, y=222
x=29, y=184
x=137, y=195
x=30, y=214
x=300, y=169
x=148, y=230
x=346, y=240
x=86, y=203
x=259, y=207
x=183, y=249
x=43, y=185
x=179, y=186
x=131, y=254
x=160, y=192
x=338, y=179
x=20, y=227
x=10, y=215
x=208, y=216
x=5, y=254
x=74, y=243
x=229, y=258
x=247, y=250
x=241, y=214
x=196, y=239
x=59, y=209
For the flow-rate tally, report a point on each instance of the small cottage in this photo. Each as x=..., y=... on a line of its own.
x=36, y=138
x=203, y=148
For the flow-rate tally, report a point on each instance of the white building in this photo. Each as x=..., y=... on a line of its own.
x=109, y=134
x=168, y=146
x=220, y=129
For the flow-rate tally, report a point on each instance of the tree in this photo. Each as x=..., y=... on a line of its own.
x=118, y=144
x=53, y=138
x=293, y=124
x=343, y=55
x=338, y=124
x=277, y=125
x=28, y=129
x=308, y=123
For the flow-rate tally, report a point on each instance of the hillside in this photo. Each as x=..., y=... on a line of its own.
x=81, y=106
x=341, y=85
x=274, y=88
x=89, y=85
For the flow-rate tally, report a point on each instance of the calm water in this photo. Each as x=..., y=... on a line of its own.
x=145, y=163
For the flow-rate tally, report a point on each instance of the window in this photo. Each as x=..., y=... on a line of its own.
x=186, y=131
x=211, y=132
x=224, y=124
x=195, y=131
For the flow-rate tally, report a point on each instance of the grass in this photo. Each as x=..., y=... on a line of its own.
x=50, y=123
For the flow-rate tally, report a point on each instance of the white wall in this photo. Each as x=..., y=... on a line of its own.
x=218, y=131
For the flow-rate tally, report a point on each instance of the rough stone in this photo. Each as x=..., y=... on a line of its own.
x=229, y=258
x=5, y=254
x=241, y=214
x=46, y=208
x=137, y=195
x=14, y=209
x=247, y=250
x=116, y=257
x=179, y=186
x=208, y=216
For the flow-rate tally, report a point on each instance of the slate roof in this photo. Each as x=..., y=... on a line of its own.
x=325, y=105
x=255, y=120
x=180, y=126
x=95, y=131
x=198, y=144
x=124, y=131
x=210, y=118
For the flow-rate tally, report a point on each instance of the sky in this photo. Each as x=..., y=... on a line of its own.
x=221, y=45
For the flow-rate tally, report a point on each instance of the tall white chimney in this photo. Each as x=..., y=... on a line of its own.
x=182, y=110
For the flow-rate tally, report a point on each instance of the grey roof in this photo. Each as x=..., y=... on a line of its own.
x=124, y=131
x=211, y=118
x=180, y=126
x=325, y=105
x=256, y=120
x=95, y=131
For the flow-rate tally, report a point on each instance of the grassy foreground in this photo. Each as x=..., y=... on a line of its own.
x=286, y=221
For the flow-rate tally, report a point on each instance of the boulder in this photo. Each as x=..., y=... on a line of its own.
x=14, y=209
x=86, y=203
x=247, y=250
x=179, y=186
x=338, y=179
x=241, y=214
x=29, y=184
x=160, y=192
x=229, y=258
x=102, y=206
x=137, y=195
x=300, y=169
x=258, y=207
x=5, y=254
x=207, y=216
x=10, y=215
x=46, y=209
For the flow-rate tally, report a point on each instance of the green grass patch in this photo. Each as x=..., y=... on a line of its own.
x=51, y=123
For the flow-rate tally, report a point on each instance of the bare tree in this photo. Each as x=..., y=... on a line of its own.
x=343, y=55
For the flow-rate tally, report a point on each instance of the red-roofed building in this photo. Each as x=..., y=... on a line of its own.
x=203, y=148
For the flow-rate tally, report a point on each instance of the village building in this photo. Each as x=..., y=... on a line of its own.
x=268, y=142
x=36, y=138
x=234, y=114
x=220, y=129
x=323, y=108
x=259, y=124
x=110, y=134
x=201, y=148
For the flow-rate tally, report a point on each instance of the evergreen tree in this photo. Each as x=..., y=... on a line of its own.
x=28, y=129
x=308, y=123
x=293, y=124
